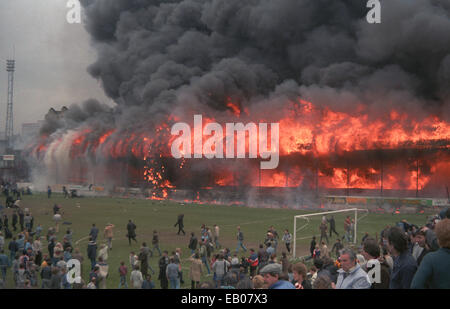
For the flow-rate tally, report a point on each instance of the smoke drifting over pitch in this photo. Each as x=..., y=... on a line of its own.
x=173, y=58
x=156, y=54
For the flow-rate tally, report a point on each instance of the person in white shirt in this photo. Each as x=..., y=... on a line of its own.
x=136, y=278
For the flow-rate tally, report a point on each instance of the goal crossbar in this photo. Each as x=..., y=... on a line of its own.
x=355, y=210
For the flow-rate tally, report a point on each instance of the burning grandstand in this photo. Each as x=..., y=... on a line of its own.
x=361, y=110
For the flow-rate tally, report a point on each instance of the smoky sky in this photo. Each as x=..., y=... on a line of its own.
x=157, y=56
x=51, y=60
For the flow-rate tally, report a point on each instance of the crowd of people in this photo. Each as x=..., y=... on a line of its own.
x=403, y=256
x=400, y=257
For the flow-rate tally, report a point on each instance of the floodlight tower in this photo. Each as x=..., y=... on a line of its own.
x=10, y=68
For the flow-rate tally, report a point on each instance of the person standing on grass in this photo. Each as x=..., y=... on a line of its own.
x=180, y=224
x=5, y=222
x=193, y=243
x=131, y=229
x=347, y=224
x=49, y=191
x=163, y=262
x=323, y=231
x=143, y=259
x=287, y=238
x=103, y=269
x=275, y=237
x=220, y=268
x=4, y=264
x=312, y=247
x=155, y=242
x=172, y=273
x=15, y=219
x=204, y=256
x=92, y=252
x=196, y=270
x=109, y=234
x=177, y=258
x=324, y=251
x=216, y=236
x=332, y=226
x=46, y=274
x=57, y=218
x=253, y=261
x=27, y=220
x=94, y=232
x=240, y=240
x=263, y=257
x=134, y=260
x=21, y=219
x=56, y=279
x=337, y=247
x=123, y=271
x=56, y=209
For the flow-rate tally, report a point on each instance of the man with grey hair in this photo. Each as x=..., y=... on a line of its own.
x=351, y=276
x=271, y=274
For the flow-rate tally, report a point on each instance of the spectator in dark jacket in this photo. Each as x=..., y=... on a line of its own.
x=94, y=233
x=180, y=224
x=55, y=280
x=13, y=248
x=328, y=265
x=46, y=275
x=312, y=247
x=332, y=226
x=51, y=247
x=193, y=243
x=319, y=263
x=404, y=264
x=163, y=262
x=131, y=232
x=433, y=272
x=15, y=218
x=92, y=251
x=337, y=247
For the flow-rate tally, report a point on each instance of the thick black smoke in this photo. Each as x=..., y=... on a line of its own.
x=178, y=57
x=157, y=56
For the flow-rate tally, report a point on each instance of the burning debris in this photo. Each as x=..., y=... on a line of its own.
x=359, y=106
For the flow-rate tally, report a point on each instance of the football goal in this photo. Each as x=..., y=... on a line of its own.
x=308, y=221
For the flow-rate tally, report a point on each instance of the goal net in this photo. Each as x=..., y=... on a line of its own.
x=308, y=225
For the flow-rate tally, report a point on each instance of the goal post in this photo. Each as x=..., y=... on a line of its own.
x=324, y=213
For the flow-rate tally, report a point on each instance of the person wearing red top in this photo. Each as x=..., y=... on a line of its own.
x=253, y=261
x=123, y=271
